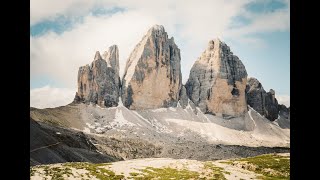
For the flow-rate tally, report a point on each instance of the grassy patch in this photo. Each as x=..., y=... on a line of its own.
x=134, y=174
x=164, y=174
x=209, y=171
x=273, y=167
x=226, y=162
x=94, y=170
x=216, y=172
x=32, y=171
x=56, y=173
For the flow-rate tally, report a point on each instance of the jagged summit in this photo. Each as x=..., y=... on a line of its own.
x=97, y=56
x=157, y=27
x=151, y=114
x=263, y=102
x=100, y=83
x=217, y=81
x=112, y=57
x=152, y=77
x=253, y=83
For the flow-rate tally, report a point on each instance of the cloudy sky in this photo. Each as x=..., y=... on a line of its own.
x=65, y=34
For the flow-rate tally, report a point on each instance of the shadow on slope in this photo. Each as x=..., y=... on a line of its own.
x=50, y=144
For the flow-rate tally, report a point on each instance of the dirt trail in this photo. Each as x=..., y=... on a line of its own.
x=45, y=146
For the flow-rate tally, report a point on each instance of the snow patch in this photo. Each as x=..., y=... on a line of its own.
x=90, y=126
x=250, y=108
x=160, y=128
x=249, y=112
x=276, y=122
x=120, y=104
x=159, y=110
x=99, y=129
x=120, y=121
x=99, y=152
x=99, y=106
x=58, y=133
x=86, y=130
x=217, y=133
x=188, y=107
x=179, y=105
x=136, y=113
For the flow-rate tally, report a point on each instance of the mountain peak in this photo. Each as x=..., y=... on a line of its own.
x=156, y=30
x=217, y=40
x=263, y=102
x=157, y=27
x=113, y=47
x=99, y=83
x=97, y=56
x=152, y=77
x=112, y=57
x=217, y=81
x=214, y=44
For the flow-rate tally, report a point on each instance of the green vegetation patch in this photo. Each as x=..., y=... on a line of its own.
x=216, y=172
x=164, y=174
x=54, y=172
x=32, y=171
x=273, y=167
x=60, y=173
x=209, y=171
x=96, y=170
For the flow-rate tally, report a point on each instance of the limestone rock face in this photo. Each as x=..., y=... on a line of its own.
x=284, y=111
x=99, y=83
x=263, y=102
x=152, y=77
x=112, y=58
x=217, y=81
x=255, y=95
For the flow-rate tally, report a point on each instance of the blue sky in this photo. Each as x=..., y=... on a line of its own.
x=64, y=36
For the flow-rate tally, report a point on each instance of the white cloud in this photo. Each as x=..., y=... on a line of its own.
x=60, y=56
x=283, y=99
x=41, y=10
x=191, y=23
x=278, y=20
x=47, y=96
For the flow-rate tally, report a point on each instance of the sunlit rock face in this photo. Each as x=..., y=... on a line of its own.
x=152, y=77
x=217, y=81
x=99, y=83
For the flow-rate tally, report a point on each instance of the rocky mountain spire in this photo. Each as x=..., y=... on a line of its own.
x=99, y=83
x=263, y=102
x=112, y=57
x=97, y=56
x=152, y=77
x=217, y=81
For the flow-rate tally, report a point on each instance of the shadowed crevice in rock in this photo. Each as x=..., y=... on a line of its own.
x=128, y=99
